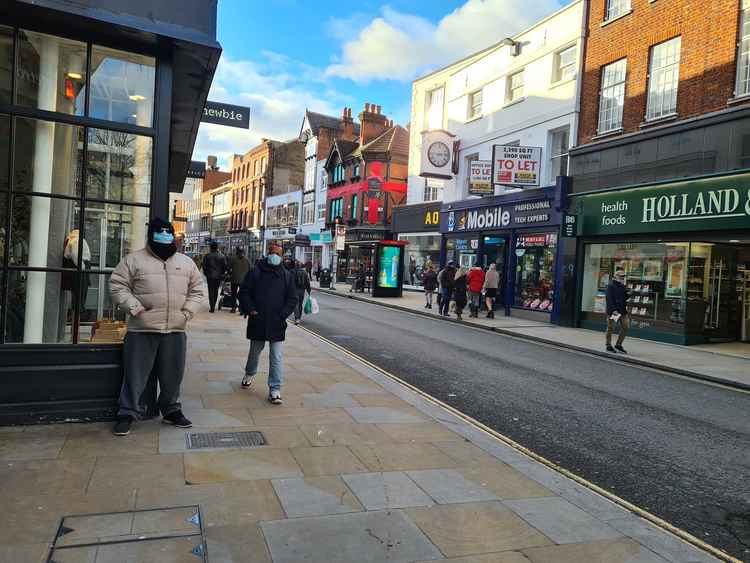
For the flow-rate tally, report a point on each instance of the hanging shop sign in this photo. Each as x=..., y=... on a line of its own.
x=437, y=154
x=197, y=169
x=340, y=238
x=710, y=204
x=226, y=114
x=513, y=165
x=480, y=177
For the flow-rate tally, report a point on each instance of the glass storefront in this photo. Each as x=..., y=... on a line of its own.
x=423, y=249
x=463, y=251
x=79, y=197
x=534, y=287
x=696, y=289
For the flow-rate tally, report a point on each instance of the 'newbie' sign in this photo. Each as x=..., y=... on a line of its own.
x=226, y=114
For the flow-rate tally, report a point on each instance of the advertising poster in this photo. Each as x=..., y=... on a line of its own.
x=516, y=166
x=390, y=257
x=480, y=177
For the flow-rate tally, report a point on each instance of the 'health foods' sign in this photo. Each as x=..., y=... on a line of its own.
x=714, y=203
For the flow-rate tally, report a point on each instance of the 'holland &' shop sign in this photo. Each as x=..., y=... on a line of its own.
x=710, y=204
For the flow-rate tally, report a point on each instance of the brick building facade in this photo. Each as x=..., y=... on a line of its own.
x=661, y=172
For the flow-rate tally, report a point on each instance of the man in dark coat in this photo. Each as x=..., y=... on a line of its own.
x=617, y=312
x=267, y=298
x=239, y=269
x=214, y=268
x=447, y=281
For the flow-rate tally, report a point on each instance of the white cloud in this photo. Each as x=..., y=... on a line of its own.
x=400, y=46
x=277, y=89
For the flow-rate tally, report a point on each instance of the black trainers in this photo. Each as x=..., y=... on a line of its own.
x=122, y=426
x=610, y=349
x=177, y=419
x=620, y=349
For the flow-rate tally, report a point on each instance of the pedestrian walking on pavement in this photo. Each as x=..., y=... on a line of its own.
x=239, y=268
x=475, y=282
x=491, y=284
x=301, y=285
x=429, y=281
x=267, y=298
x=617, y=312
x=460, y=286
x=214, y=268
x=160, y=290
x=446, y=279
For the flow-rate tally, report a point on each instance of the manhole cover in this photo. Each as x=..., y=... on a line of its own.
x=199, y=440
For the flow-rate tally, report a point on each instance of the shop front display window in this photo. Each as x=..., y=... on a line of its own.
x=463, y=251
x=535, y=271
x=78, y=198
x=660, y=281
x=51, y=73
x=421, y=251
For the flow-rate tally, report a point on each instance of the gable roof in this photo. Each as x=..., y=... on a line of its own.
x=394, y=141
x=318, y=120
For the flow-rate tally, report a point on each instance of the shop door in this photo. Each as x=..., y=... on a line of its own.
x=723, y=314
x=495, y=250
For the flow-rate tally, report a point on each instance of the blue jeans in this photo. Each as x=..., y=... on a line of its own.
x=445, y=301
x=276, y=369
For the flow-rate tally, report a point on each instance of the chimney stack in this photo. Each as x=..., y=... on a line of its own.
x=372, y=123
x=211, y=160
x=348, y=126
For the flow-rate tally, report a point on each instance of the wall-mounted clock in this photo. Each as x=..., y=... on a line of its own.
x=439, y=154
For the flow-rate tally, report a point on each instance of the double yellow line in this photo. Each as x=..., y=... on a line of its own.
x=663, y=524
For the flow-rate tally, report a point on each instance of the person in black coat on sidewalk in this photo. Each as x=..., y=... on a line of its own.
x=267, y=298
x=430, y=284
x=215, y=268
x=617, y=311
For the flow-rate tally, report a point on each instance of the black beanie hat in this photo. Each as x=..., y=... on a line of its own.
x=157, y=224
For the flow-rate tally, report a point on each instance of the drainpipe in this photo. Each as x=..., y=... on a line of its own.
x=581, y=74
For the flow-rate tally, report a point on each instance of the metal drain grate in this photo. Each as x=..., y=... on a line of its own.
x=199, y=440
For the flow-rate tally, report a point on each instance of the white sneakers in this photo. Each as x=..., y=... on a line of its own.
x=274, y=397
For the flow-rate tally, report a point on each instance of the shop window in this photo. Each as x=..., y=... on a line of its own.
x=51, y=73
x=47, y=157
x=515, y=87
x=434, y=108
x=664, y=78
x=612, y=96
x=475, y=105
x=743, y=57
x=559, y=144
x=535, y=271
x=118, y=166
x=6, y=63
x=658, y=276
x=122, y=86
x=565, y=64
x=40, y=307
x=463, y=251
x=422, y=251
x=4, y=155
x=616, y=8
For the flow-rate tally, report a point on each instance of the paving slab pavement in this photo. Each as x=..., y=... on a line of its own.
x=357, y=468
x=723, y=363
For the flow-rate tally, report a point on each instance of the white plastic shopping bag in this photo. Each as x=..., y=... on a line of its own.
x=315, y=306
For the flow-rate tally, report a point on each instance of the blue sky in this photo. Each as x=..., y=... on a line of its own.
x=281, y=56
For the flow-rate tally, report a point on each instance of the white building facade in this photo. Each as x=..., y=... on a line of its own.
x=282, y=220
x=521, y=91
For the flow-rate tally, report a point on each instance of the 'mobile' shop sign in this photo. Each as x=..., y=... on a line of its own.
x=710, y=204
x=533, y=213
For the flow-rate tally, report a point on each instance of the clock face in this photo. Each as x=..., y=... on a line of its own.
x=439, y=154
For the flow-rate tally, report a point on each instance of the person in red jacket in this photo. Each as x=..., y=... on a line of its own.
x=475, y=281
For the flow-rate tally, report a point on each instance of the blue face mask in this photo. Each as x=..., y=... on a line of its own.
x=274, y=259
x=163, y=237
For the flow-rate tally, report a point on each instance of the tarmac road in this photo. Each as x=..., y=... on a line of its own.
x=675, y=447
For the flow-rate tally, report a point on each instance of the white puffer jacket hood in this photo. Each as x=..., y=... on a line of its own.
x=158, y=295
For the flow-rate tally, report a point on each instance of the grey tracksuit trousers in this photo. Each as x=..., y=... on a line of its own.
x=145, y=353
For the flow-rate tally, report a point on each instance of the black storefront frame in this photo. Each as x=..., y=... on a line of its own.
x=39, y=390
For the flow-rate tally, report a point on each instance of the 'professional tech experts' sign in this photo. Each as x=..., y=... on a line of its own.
x=511, y=215
x=711, y=204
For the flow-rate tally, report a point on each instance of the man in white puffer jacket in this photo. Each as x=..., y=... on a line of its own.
x=160, y=290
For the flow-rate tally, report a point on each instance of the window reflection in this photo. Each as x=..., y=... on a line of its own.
x=100, y=321
x=51, y=73
x=6, y=62
x=122, y=86
x=4, y=153
x=114, y=231
x=47, y=158
x=39, y=310
x=41, y=229
x=118, y=166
